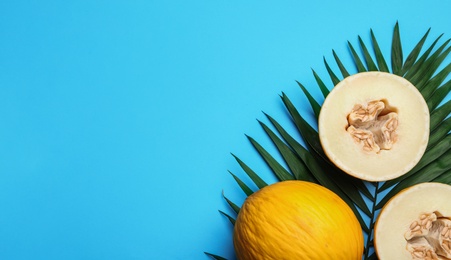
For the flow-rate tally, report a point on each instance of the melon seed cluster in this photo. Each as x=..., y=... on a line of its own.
x=368, y=126
x=429, y=237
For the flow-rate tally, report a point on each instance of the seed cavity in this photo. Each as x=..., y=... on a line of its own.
x=373, y=125
x=429, y=237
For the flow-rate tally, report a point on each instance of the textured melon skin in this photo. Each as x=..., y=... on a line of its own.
x=413, y=128
x=297, y=220
x=401, y=210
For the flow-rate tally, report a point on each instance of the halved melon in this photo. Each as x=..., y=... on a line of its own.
x=415, y=224
x=374, y=126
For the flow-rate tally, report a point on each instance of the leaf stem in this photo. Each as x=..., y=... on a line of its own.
x=369, y=241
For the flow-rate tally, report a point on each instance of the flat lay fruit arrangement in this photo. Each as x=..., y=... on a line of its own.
x=371, y=177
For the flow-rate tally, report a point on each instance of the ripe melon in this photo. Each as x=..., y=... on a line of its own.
x=415, y=224
x=374, y=126
x=297, y=220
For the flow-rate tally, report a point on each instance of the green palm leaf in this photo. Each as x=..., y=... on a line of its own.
x=315, y=106
x=235, y=207
x=357, y=61
x=333, y=77
x=378, y=53
x=302, y=157
x=417, y=68
x=259, y=182
x=231, y=219
x=432, y=171
x=344, y=71
x=430, y=66
x=279, y=171
x=431, y=156
x=435, y=82
x=242, y=185
x=396, y=52
x=442, y=130
x=414, y=53
x=439, y=114
x=215, y=256
x=369, y=61
x=438, y=96
x=321, y=84
x=297, y=167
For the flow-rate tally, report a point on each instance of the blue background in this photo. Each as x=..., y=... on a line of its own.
x=117, y=118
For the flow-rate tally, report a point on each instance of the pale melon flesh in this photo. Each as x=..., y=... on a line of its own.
x=374, y=126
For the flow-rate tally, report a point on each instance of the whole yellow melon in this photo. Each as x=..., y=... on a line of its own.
x=297, y=220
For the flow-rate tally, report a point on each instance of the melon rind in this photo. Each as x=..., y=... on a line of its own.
x=413, y=129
